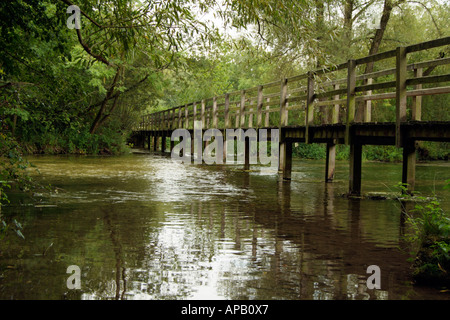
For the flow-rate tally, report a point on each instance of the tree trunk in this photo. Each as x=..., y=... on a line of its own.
x=102, y=109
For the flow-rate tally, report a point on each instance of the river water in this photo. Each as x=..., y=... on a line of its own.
x=141, y=226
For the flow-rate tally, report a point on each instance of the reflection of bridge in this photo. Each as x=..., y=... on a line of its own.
x=339, y=105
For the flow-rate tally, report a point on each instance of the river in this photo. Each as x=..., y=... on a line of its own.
x=141, y=226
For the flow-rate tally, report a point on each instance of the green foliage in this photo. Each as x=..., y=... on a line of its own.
x=382, y=153
x=430, y=239
x=13, y=165
x=13, y=173
x=309, y=151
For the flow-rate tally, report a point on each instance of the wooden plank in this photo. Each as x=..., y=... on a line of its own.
x=271, y=95
x=430, y=63
x=376, y=86
x=271, y=84
x=428, y=79
x=411, y=93
x=298, y=77
x=331, y=93
x=330, y=69
x=296, y=99
x=428, y=45
x=376, y=57
x=428, y=91
x=295, y=107
x=330, y=102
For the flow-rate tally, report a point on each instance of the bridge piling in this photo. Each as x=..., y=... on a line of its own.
x=355, y=168
x=287, y=160
x=330, y=161
x=409, y=165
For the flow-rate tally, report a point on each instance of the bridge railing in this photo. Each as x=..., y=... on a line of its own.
x=342, y=94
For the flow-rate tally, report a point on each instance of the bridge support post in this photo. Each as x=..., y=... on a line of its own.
x=142, y=141
x=287, y=160
x=355, y=168
x=409, y=165
x=192, y=155
x=247, y=153
x=163, y=143
x=330, y=164
x=282, y=149
x=155, y=142
x=149, y=141
x=172, y=145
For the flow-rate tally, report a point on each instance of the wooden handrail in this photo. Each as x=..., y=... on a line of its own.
x=256, y=105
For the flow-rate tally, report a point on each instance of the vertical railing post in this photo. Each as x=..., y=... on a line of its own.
x=351, y=84
x=157, y=121
x=194, y=113
x=179, y=117
x=242, y=109
x=202, y=115
x=335, y=108
x=227, y=111
x=267, y=117
x=214, y=113
x=250, y=114
x=186, y=116
x=417, y=100
x=283, y=100
x=368, y=105
x=226, y=124
x=164, y=116
x=309, y=115
x=400, y=93
x=259, y=106
x=174, y=119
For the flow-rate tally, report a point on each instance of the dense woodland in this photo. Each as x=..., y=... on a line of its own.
x=80, y=91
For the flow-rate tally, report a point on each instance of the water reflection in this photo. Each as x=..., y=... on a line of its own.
x=144, y=227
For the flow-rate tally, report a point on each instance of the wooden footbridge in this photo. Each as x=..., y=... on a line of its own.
x=338, y=105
